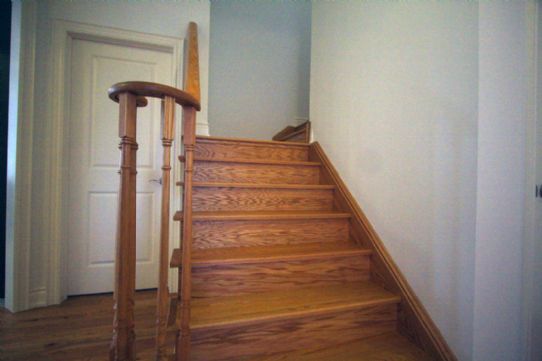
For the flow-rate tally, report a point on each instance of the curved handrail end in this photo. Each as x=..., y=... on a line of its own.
x=154, y=90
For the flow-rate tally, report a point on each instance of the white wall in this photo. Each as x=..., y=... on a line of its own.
x=502, y=120
x=394, y=104
x=423, y=108
x=259, y=66
x=154, y=17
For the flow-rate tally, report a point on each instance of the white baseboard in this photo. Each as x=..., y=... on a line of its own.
x=37, y=298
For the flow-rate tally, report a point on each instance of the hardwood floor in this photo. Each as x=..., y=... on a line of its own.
x=79, y=329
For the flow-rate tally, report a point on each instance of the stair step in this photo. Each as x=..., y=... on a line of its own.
x=223, y=197
x=281, y=252
x=262, y=215
x=224, y=148
x=254, y=161
x=244, y=229
x=280, y=305
x=389, y=346
x=260, y=185
x=245, y=270
x=228, y=328
x=255, y=171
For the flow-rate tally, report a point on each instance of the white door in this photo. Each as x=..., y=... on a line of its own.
x=94, y=163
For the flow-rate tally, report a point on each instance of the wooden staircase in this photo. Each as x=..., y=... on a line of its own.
x=277, y=260
x=278, y=273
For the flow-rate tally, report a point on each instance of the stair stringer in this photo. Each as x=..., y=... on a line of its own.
x=413, y=320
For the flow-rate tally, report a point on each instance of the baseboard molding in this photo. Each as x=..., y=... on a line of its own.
x=202, y=128
x=414, y=321
x=37, y=298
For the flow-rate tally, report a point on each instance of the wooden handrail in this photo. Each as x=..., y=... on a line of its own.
x=191, y=77
x=153, y=90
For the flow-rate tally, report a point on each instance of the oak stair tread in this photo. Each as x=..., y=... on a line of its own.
x=389, y=347
x=206, y=138
x=262, y=254
x=254, y=161
x=261, y=215
x=260, y=185
x=246, y=309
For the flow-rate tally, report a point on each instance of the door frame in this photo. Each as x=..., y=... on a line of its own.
x=534, y=117
x=64, y=33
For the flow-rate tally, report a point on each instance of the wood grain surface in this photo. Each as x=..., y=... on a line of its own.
x=77, y=330
x=324, y=329
x=242, y=278
x=223, y=149
x=244, y=233
x=237, y=172
x=250, y=255
x=385, y=347
x=259, y=199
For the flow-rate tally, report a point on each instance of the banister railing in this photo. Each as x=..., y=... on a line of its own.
x=131, y=95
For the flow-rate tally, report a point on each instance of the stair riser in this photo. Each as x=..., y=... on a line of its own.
x=234, y=342
x=249, y=199
x=225, y=280
x=255, y=173
x=229, y=150
x=211, y=234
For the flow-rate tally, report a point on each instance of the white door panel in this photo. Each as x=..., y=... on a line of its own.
x=94, y=163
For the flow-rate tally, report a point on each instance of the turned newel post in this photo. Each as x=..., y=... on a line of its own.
x=122, y=346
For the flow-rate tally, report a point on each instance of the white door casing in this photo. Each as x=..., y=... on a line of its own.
x=94, y=159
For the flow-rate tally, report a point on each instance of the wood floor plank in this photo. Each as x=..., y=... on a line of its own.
x=78, y=329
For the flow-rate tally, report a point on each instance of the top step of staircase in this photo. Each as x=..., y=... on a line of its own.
x=219, y=148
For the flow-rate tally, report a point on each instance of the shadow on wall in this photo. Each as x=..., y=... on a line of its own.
x=5, y=33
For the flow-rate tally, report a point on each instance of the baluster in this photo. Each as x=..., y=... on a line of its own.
x=185, y=291
x=162, y=310
x=122, y=346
